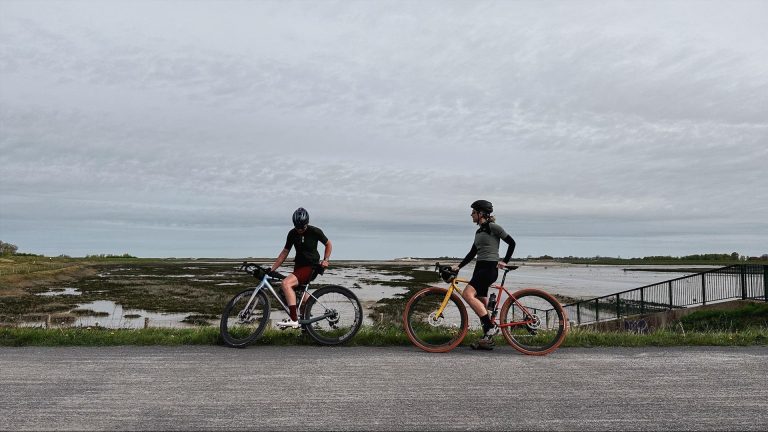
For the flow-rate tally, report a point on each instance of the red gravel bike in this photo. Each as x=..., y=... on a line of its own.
x=532, y=321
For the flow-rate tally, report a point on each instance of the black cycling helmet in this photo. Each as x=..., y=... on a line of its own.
x=483, y=206
x=300, y=217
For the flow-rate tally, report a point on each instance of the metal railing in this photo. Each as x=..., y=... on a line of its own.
x=740, y=281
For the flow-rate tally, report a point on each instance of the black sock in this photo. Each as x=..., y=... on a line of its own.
x=486, y=320
x=292, y=309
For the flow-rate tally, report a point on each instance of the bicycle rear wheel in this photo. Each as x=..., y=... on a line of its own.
x=431, y=332
x=342, y=314
x=541, y=323
x=241, y=323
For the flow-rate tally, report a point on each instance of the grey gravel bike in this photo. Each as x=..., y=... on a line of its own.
x=331, y=315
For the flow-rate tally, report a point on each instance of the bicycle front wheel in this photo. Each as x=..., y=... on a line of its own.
x=533, y=322
x=429, y=330
x=340, y=313
x=244, y=320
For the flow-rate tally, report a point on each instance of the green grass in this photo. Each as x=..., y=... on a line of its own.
x=750, y=316
x=367, y=336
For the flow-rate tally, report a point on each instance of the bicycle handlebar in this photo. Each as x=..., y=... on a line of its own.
x=446, y=272
x=258, y=271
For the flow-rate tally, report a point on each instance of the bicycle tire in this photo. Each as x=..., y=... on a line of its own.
x=541, y=336
x=430, y=333
x=340, y=327
x=238, y=330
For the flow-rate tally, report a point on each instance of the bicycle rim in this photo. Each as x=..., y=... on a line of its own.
x=543, y=324
x=342, y=314
x=431, y=332
x=240, y=326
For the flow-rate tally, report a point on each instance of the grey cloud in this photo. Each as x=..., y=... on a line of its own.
x=626, y=120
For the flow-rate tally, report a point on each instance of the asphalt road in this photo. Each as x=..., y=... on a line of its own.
x=399, y=388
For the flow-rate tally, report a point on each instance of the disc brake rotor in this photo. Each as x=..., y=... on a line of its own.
x=434, y=320
x=535, y=324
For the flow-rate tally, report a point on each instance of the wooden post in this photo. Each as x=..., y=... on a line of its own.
x=48, y=321
x=146, y=322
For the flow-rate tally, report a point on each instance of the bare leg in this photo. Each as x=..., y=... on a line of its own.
x=476, y=304
x=289, y=283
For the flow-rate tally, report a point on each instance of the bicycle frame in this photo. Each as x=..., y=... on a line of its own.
x=265, y=284
x=500, y=287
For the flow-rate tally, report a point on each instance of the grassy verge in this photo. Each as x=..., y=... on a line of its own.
x=368, y=336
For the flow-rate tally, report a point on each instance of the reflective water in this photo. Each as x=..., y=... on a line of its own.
x=61, y=292
x=117, y=317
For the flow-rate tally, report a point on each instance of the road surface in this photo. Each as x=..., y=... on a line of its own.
x=395, y=388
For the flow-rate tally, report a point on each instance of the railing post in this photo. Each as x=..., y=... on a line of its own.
x=671, y=303
x=765, y=283
x=618, y=307
x=642, y=301
x=703, y=289
x=597, y=310
x=578, y=312
x=743, y=282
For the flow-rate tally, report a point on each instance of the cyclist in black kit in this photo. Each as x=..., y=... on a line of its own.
x=304, y=238
x=486, y=247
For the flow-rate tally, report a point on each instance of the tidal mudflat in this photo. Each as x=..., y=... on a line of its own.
x=179, y=293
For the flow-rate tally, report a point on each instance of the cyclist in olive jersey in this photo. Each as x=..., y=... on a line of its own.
x=304, y=237
x=486, y=248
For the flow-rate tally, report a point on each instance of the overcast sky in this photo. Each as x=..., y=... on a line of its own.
x=194, y=129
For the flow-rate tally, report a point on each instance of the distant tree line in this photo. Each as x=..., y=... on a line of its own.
x=7, y=249
x=109, y=256
x=687, y=259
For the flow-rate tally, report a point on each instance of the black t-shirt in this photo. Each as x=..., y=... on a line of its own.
x=306, y=245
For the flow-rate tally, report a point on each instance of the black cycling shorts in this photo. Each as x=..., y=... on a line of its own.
x=484, y=275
